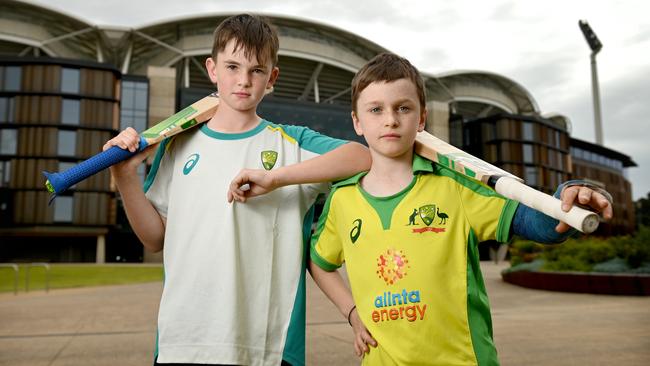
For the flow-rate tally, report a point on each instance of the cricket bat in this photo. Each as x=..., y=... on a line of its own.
x=193, y=115
x=502, y=182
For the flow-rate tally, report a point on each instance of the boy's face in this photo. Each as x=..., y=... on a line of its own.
x=241, y=81
x=389, y=117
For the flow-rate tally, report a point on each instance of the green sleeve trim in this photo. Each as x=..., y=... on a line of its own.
x=321, y=262
x=315, y=257
x=478, y=307
x=309, y=139
x=160, y=152
x=505, y=221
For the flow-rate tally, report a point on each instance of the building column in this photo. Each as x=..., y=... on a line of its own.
x=100, y=254
x=162, y=93
x=438, y=119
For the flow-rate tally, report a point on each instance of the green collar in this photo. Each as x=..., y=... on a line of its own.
x=420, y=165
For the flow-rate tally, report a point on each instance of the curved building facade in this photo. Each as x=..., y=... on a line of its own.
x=68, y=86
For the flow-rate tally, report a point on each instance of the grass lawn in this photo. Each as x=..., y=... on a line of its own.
x=66, y=276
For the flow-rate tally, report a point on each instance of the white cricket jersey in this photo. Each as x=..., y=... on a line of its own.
x=234, y=288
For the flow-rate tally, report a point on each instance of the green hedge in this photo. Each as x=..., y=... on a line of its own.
x=586, y=254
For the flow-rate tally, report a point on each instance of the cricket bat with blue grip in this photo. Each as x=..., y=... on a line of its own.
x=193, y=115
x=502, y=182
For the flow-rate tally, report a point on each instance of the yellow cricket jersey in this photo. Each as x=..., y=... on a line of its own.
x=414, y=265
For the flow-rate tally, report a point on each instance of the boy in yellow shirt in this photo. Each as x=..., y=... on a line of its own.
x=408, y=231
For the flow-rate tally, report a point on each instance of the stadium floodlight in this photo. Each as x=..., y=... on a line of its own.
x=590, y=36
x=596, y=46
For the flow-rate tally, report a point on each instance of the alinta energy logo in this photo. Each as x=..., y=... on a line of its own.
x=269, y=157
x=191, y=162
x=428, y=214
x=392, y=266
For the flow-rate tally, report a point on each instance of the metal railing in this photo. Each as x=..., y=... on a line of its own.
x=15, y=268
x=28, y=268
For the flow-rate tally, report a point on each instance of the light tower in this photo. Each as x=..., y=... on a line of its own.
x=595, y=45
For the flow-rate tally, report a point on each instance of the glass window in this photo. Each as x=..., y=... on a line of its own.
x=527, y=131
x=557, y=139
x=134, y=105
x=63, y=209
x=5, y=173
x=528, y=153
x=67, y=143
x=551, y=158
x=8, y=141
x=6, y=109
x=530, y=175
x=70, y=111
x=70, y=81
x=12, y=78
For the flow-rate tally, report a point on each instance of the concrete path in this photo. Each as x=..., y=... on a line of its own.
x=115, y=325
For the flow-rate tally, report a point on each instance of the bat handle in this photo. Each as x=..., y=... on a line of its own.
x=583, y=220
x=58, y=183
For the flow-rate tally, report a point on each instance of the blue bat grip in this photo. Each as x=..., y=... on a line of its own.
x=59, y=182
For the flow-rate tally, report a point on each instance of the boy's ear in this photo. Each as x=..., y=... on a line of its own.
x=211, y=68
x=275, y=72
x=356, y=124
x=423, y=120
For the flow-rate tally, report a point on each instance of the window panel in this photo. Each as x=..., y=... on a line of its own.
x=70, y=81
x=527, y=131
x=8, y=141
x=63, y=209
x=67, y=143
x=5, y=173
x=531, y=175
x=528, y=153
x=12, y=78
x=70, y=111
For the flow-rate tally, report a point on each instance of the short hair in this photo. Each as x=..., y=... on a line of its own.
x=387, y=67
x=255, y=34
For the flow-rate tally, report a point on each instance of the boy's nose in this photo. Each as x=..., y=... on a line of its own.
x=392, y=119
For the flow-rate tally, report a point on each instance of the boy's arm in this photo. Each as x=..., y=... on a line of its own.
x=145, y=220
x=534, y=225
x=333, y=286
x=342, y=162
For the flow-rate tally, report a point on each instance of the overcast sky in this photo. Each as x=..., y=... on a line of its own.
x=538, y=44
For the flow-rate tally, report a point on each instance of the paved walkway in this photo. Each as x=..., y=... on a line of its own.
x=116, y=326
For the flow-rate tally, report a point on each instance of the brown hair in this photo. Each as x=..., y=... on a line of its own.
x=253, y=33
x=387, y=67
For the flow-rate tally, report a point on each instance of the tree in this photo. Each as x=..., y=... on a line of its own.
x=643, y=211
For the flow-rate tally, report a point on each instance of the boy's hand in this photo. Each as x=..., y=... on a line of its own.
x=127, y=140
x=362, y=337
x=584, y=196
x=250, y=183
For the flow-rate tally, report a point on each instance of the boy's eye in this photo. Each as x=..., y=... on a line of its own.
x=403, y=108
x=375, y=110
x=258, y=71
x=231, y=67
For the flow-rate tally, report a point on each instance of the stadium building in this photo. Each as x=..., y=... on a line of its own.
x=67, y=86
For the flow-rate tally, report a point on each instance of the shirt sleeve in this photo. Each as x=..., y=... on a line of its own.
x=156, y=185
x=326, y=246
x=490, y=215
x=313, y=144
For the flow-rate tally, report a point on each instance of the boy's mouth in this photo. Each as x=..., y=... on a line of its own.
x=391, y=136
x=242, y=94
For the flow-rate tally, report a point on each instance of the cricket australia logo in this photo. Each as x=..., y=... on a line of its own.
x=427, y=215
x=269, y=157
x=190, y=163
